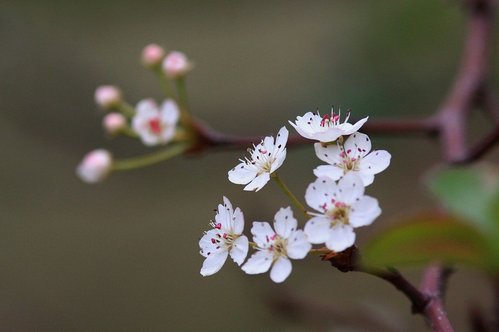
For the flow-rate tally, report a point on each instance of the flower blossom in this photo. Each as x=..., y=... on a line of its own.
x=342, y=207
x=155, y=125
x=114, y=122
x=176, y=64
x=352, y=156
x=325, y=128
x=152, y=55
x=108, y=96
x=95, y=166
x=225, y=238
x=275, y=248
x=266, y=157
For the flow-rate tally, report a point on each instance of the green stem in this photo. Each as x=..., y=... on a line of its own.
x=164, y=82
x=126, y=109
x=288, y=192
x=185, y=116
x=150, y=159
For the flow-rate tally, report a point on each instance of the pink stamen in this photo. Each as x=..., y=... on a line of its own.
x=325, y=118
x=218, y=226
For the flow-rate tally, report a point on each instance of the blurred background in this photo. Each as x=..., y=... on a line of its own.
x=123, y=255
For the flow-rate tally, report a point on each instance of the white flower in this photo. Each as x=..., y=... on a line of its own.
x=176, y=64
x=266, y=157
x=155, y=125
x=275, y=248
x=342, y=208
x=108, y=96
x=114, y=122
x=325, y=128
x=95, y=166
x=225, y=238
x=352, y=156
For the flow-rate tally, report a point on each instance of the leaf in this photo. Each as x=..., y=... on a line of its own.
x=423, y=239
x=471, y=193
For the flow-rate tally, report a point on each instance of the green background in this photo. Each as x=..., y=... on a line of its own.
x=123, y=255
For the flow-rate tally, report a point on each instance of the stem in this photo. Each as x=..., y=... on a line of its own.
x=150, y=159
x=185, y=116
x=164, y=82
x=288, y=192
x=126, y=109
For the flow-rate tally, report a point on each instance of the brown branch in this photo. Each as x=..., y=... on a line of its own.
x=469, y=82
x=433, y=285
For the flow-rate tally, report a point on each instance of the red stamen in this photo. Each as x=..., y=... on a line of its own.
x=218, y=226
x=324, y=119
x=155, y=126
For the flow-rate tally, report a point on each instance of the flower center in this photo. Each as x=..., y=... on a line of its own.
x=339, y=214
x=278, y=247
x=332, y=120
x=155, y=126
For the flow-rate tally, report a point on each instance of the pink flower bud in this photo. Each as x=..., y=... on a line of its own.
x=114, y=122
x=107, y=96
x=152, y=55
x=176, y=64
x=95, y=166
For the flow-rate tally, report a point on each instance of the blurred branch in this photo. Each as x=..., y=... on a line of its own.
x=433, y=285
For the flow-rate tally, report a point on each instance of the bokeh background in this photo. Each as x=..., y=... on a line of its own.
x=123, y=255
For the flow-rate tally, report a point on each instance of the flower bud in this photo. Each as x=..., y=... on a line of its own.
x=95, y=166
x=152, y=55
x=107, y=96
x=114, y=122
x=176, y=64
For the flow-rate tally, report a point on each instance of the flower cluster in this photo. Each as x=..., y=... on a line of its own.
x=154, y=125
x=336, y=198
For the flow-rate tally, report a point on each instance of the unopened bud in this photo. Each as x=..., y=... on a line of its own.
x=95, y=166
x=114, y=122
x=152, y=55
x=176, y=64
x=107, y=96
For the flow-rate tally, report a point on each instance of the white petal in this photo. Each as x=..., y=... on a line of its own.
x=330, y=135
x=355, y=127
x=284, y=222
x=242, y=173
x=340, y=238
x=224, y=217
x=262, y=234
x=213, y=263
x=281, y=270
x=209, y=246
x=147, y=108
x=280, y=157
x=350, y=188
x=167, y=134
x=148, y=138
x=239, y=250
x=328, y=171
x=329, y=154
x=268, y=146
x=319, y=194
x=367, y=179
x=238, y=221
x=364, y=211
x=298, y=245
x=281, y=139
x=357, y=145
x=258, y=182
x=169, y=112
x=317, y=229
x=375, y=162
x=259, y=262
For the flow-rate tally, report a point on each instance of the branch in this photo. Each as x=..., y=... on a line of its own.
x=433, y=285
x=469, y=82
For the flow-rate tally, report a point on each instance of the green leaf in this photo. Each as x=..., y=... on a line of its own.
x=428, y=238
x=471, y=193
